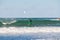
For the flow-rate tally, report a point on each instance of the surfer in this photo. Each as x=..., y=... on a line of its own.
x=30, y=22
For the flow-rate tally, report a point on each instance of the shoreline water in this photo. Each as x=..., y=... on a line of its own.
x=30, y=33
x=23, y=30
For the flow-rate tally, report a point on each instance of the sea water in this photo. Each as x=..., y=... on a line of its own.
x=38, y=36
x=21, y=22
x=30, y=33
x=20, y=29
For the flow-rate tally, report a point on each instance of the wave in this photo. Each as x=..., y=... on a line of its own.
x=8, y=22
x=30, y=23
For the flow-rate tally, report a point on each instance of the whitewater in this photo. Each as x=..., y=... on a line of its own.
x=22, y=30
x=30, y=33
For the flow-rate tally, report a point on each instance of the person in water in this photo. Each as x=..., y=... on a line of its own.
x=30, y=22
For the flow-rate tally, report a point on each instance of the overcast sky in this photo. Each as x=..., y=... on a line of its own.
x=32, y=8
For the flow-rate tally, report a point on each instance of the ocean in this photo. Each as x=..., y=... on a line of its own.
x=32, y=36
x=30, y=33
x=29, y=29
x=29, y=22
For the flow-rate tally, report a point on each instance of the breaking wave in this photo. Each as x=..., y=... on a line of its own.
x=30, y=22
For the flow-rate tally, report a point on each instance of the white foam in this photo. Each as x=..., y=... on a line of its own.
x=9, y=22
x=22, y=30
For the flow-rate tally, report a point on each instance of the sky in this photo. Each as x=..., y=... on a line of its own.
x=29, y=8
